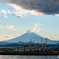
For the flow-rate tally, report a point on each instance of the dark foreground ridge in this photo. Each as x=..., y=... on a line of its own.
x=28, y=53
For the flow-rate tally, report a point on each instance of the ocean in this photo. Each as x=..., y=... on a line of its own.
x=28, y=57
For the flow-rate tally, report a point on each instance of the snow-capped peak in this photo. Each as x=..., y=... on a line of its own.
x=29, y=31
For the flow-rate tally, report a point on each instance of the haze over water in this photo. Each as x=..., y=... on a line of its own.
x=28, y=57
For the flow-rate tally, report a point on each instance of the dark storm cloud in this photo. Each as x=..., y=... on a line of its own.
x=45, y=6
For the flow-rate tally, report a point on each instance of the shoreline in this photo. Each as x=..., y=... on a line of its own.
x=28, y=53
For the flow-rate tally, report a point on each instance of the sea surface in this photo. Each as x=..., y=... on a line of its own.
x=28, y=57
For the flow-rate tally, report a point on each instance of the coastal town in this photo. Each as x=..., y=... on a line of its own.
x=34, y=48
x=26, y=47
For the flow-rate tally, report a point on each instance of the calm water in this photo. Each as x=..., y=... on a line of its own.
x=27, y=57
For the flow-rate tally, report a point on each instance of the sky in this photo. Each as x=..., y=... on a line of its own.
x=23, y=16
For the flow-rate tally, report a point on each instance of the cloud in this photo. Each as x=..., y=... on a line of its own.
x=1, y=27
x=37, y=24
x=38, y=30
x=35, y=29
x=9, y=11
x=11, y=27
x=18, y=14
x=28, y=31
x=23, y=12
x=41, y=7
x=3, y=11
x=5, y=16
x=6, y=37
x=53, y=38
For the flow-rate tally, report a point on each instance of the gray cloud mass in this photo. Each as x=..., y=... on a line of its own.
x=48, y=7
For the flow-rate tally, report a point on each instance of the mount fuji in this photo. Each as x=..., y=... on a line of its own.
x=27, y=36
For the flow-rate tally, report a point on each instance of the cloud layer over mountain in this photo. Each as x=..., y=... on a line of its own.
x=48, y=7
